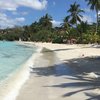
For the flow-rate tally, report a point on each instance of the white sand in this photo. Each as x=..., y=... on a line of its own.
x=65, y=51
x=43, y=86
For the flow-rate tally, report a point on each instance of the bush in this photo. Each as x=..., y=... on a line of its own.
x=57, y=40
x=91, y=38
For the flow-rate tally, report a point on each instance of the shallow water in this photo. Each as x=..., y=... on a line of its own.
x=12, y=55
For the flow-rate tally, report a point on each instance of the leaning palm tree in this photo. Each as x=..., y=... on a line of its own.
x=82, y=29
x=75, y=13
x=66, y=24
x=45, y=21
x=95, y=5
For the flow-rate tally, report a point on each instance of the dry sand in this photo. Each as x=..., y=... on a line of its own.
x=57, y=75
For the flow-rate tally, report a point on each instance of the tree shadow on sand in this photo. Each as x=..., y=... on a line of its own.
x=77, y=70
x=93, y=96
x=83, y=66
x=45, y=50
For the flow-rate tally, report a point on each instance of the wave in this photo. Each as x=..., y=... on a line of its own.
x=9, y=90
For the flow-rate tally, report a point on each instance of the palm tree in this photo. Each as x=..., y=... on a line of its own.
x=95, y=5
x=99, y=25
x=45, y=21
x=75, y=13
x=82, y=29
x=66, y=24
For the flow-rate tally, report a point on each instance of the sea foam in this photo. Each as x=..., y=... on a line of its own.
x=11, y=87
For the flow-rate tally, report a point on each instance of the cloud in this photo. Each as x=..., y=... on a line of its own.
x=21, y=19
x=54, y=3
x=15, y=13
x=99, y=12
x=5, y=21
x=24, y=13
x=87, y=10
x=20, y=13
x=87, y=18
x=8, y=5
x=12, y=5
x=56, y=23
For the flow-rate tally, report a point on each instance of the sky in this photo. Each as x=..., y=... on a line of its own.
x=24, y=12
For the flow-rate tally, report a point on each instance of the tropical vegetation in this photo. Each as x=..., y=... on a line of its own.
x=71, y=30
x=95, y=5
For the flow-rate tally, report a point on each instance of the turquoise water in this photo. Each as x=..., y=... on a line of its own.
x=12, y=55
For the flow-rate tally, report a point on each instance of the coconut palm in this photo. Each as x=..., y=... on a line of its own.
x=75, y=13
x=82, y=29
x=66, y=24
x=45, y=21
x=95, y=5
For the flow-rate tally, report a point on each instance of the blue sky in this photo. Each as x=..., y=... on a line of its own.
x=24, y=12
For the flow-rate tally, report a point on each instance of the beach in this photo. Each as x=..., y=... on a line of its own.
x=58, y=73
x=49, y=50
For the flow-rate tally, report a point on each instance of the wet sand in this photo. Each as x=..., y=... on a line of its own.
x=58, y=75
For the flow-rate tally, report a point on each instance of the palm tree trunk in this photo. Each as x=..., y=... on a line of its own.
x=97, y=22
x=79, y=34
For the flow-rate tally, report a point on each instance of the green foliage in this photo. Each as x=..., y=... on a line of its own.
x=95, y=5
x=45, y=22
x=42, y=31
x=10, y=37
x=57, y=39
x=75, y=13
x=11, y=34
x=91, y=38
x=42, y=35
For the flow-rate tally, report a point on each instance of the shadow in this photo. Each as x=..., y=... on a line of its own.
x=74, y=92
x=93, y=96
x=87, y=64
x=63, y=49
x=76, y=69
x=44, y=50
x=91, y=46
x=95, y=46
x=78, y=84
x=56, y=70
x=66, y=49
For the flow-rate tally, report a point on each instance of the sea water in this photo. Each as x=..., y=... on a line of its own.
x=12, y=55
x=13, y=58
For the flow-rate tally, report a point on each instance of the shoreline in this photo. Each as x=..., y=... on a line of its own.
x=11, y=87
x=16, y=81
x=35, y=83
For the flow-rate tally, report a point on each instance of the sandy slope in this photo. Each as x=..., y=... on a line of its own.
x=52, y=79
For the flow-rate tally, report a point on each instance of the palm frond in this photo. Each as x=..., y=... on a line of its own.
x=75, y=13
